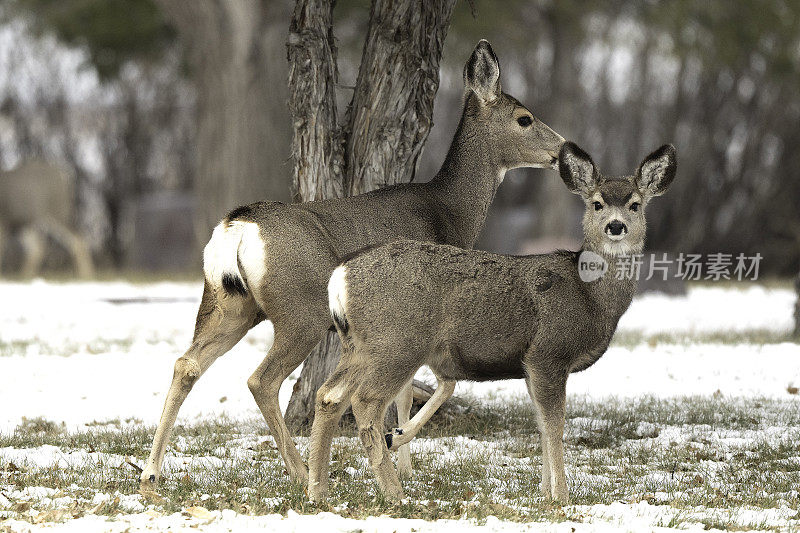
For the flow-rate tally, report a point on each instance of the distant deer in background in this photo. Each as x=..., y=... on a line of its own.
x=477, y=316
x=36, y=200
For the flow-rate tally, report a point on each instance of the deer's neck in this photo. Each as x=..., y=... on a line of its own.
x=466, y=184
x=614, y=291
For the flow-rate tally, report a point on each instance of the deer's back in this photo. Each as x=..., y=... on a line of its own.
x=459, y=311
x=347, y=225
x=469, y=314
x=35, y=191
x=408, y=211
x=305, y=242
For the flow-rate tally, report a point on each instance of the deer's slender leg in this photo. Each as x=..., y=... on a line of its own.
x=544, y=486
x=403, y=402
x=292, y=345
x=220, y=325
x=34, y=244
x=332, y=399
x=406, y=432
x=76, y=246
x=549, y=396
x=369, y=417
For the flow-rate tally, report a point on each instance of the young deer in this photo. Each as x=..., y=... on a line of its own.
x=273, y=261
x=471, y=315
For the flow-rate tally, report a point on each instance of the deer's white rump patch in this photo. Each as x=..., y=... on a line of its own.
x=337, y=294
x=233, y=244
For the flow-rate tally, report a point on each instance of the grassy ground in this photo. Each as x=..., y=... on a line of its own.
x=697, y=459
x=162, y=342
x=720, y=462
x=631, y=339
x=626, y=339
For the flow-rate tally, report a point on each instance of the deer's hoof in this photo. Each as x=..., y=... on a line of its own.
x=148, y=481
x=390, y=439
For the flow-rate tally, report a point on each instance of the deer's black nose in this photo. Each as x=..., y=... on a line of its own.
x=615, y=227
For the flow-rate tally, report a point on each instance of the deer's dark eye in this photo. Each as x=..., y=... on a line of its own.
x=634, y=206
x=525, y=121
x=598, y=206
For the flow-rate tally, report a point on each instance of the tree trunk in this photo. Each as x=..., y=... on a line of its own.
x=240, y=111
x=316, y=154
x=317, y=172
x=556, y=206
x=391, y=113
x=385, y=128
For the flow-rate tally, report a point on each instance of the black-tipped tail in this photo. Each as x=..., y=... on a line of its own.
x=341, y=323
x=233, y=284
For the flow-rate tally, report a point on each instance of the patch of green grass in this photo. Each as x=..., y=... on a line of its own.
x=613, y=421
x=728, y=522
x=715, y=412
x=9, y=348
x=106, y=275
x=632, y=339
x=770, y=282
x=96, y=346
x=40, y=427
x=130, y=439
x=688, y=454
x=675, y=520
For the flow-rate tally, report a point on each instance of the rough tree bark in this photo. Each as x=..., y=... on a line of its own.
x=391, y=113
x=240, y=111
x=317, y=171
x=384, y=129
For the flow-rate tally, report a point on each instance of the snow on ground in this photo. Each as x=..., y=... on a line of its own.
x=709, y=309
x=96, y=351
x=616, y=518
x=84, y=352
x=676, y=370
x=79, y=353
x=227, y=521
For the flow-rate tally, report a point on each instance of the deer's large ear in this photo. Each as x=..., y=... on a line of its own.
x=576, y=168
x=657, y=171
x=482, y=73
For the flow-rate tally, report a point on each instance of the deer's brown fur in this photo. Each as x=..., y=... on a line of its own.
x=472, y=315
x=273, y=261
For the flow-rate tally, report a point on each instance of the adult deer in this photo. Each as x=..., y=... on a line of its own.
x=36, y=199
x=273, y=261
x=471, y=315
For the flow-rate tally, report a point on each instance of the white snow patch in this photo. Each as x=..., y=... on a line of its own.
x=226, y=521
x=84, y=352
x=708, y=309
x=672, y=370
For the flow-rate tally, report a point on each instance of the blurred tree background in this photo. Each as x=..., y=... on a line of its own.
x=173, y=112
